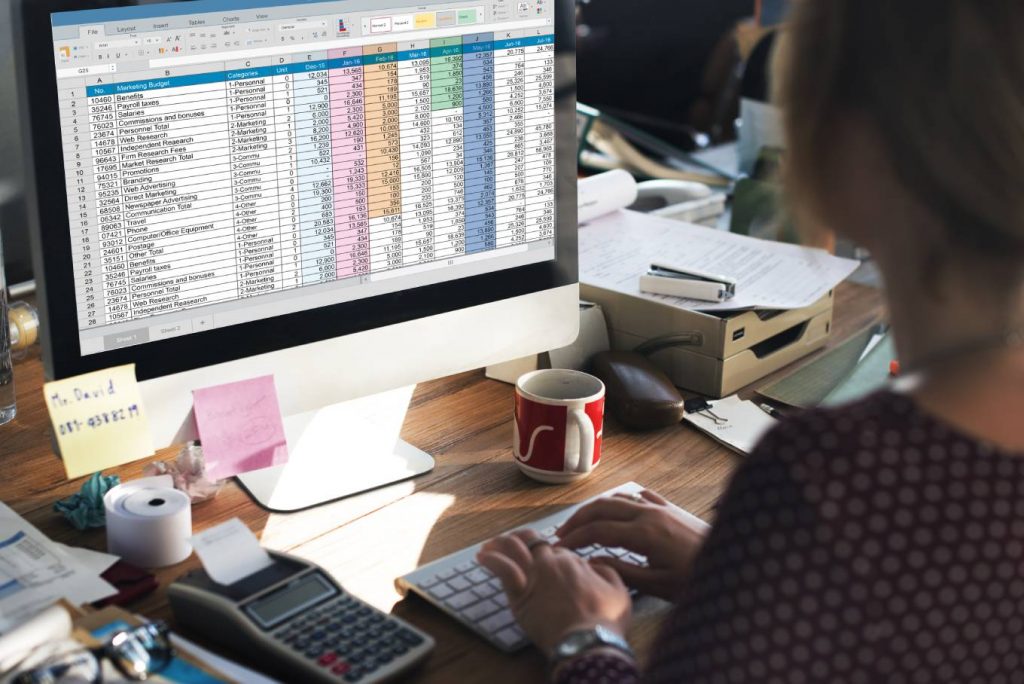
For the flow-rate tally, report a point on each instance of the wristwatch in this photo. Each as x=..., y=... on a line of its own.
x=585, y=640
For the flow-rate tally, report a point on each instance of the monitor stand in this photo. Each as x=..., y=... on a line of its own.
x=339, y=451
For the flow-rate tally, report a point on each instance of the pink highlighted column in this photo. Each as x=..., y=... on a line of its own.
x=348, y=133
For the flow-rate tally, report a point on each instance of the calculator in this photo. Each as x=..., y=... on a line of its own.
x=297, y=623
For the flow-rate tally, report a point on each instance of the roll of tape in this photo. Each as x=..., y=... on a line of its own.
x=149, y=522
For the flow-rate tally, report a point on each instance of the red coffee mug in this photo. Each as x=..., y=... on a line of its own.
x=559, y=422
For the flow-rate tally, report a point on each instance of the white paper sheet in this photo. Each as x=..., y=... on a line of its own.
x=35, y=572
x=746, y=425
x=95, y=561
x=230, y=552
x=617, y=249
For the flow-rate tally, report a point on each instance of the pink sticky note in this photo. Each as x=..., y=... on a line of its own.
x=240, y=427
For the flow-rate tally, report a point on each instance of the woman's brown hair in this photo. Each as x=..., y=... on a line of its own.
x=942, y=84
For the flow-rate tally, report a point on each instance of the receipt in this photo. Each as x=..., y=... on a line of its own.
x=230, y=552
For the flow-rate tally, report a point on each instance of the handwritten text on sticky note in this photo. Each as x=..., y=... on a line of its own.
x=240, y=427
x=99, y=420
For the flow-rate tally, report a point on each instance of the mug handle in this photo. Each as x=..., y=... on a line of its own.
x=585, y=460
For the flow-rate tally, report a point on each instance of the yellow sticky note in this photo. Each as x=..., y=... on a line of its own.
x=424, y=20
x=99, y=420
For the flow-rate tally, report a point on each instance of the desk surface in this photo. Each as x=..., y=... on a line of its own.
x=474, y=493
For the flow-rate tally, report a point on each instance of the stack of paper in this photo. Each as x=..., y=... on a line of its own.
x=35, y=572
x=617, y=249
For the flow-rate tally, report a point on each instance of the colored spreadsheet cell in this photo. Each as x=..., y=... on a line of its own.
x=211, y=186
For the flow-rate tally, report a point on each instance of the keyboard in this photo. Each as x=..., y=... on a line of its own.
x=468, y=592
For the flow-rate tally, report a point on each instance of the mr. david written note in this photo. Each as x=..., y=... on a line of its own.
x=240, y=427
x=99, y=420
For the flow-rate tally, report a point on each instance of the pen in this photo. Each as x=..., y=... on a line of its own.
x=771, y=411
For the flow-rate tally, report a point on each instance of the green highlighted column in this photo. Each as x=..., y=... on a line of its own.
x=448, y=128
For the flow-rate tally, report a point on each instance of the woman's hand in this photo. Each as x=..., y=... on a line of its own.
x=647, y=525
x=552, y=591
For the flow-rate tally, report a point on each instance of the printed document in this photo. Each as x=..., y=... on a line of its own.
x=35, y=572
x=617, y=249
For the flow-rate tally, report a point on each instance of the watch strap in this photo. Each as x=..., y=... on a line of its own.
x=582, y=641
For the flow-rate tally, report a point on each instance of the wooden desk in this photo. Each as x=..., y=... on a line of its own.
x=474, y=493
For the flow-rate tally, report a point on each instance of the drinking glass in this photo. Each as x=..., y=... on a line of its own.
x=7, y=404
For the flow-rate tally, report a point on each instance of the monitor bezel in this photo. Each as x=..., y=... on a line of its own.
x=50, y=228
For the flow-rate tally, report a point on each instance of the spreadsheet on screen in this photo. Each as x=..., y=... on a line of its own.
x=233, y=160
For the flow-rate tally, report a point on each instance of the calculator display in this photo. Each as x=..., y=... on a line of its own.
x=290, y=600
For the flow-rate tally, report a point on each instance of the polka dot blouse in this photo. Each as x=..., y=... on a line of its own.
x=871, y=543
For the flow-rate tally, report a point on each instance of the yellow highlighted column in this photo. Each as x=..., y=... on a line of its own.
x=383, y=155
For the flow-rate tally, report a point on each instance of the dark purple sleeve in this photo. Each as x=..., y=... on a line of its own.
x=746, y=582
x=758, y=602
x=598, y=668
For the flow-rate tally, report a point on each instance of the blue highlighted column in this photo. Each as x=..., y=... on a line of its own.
x=315, y=169
x=478, y=88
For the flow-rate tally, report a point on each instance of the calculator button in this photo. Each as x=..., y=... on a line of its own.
x=410, y=637
x=399, y=649
x=333, y=626
x=341, y=668
x=318, y=636
x=389, y=626
x=327, y=659
x=353, y=675
x=314, y=652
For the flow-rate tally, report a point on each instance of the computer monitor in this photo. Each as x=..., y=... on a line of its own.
x=352, y=196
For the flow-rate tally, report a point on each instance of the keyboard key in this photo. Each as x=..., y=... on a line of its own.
x=479, y=611
x=485, y=590
x=447, y=573
x=549, y=532
x=510, y=636
x=478, y=575
x=498, y=621
x=441, y=591
x=464, y=567
x=428, y=582
x=459, y=583
x=496, y=583
x=618, y=552
x=461, y=600
x=501, y=599
x=600, y=553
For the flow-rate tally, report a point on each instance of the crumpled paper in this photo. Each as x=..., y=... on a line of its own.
x=188, y=471
x=85, y=509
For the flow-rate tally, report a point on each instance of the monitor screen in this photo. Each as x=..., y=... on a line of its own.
x=230, y=161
